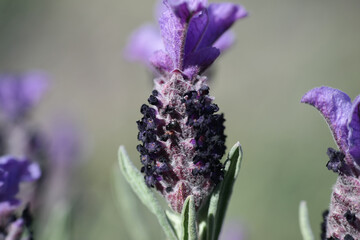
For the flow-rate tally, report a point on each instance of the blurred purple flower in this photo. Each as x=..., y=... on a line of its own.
x=16, y=229
x=64, y=155
x=20, y=93
x=343, y=118
x=65, y=143
x=12, y=172
x=192, y=36
x=233, y=230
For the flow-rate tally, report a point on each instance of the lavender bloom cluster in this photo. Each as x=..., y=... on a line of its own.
x=18, y=95
x=341, y=221
x=181, y=132
x=54, y=155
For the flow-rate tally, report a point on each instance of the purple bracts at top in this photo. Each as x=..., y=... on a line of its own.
x=12, y=172
x=343, y=118
x=192, y=36
x=20, y=93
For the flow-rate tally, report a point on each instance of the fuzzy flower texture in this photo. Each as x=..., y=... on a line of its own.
x=182, y=136
x=342, y=221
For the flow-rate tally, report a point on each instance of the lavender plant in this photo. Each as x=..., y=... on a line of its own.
x=181, y=132
x=341, y=221
x=51, y=154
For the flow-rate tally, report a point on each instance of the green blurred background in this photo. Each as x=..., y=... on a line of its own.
x=284, y=48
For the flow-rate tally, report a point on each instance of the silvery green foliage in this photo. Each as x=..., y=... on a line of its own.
x=304, y=221
x=203, y=224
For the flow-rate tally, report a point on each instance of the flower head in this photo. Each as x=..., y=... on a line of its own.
x=343, y=118
x=181, y=132
x=192, y=35
x=20, y=93
x=12, y=172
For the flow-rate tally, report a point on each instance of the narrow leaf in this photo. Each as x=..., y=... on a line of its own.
x=175, y=219
x=56, y=226
x=188, y=220
x=128, y=207
x=202, y=230
x=220, y=198
x=305, y=227
x=145, y=194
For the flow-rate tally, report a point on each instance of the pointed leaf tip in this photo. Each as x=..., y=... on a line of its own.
x=188, y=220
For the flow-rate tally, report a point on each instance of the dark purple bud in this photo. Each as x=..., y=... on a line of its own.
x=323, y=225
x=350, y=217
x=336, y=160
x=348, y=237
x=181, y=152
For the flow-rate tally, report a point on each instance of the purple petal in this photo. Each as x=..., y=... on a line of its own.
x=182, y=11
x=20, y=93
x=221, y=17
x=354, y=130
x=173, y=32
x=161, y=62
x=201, y=59
x=12, y=172
x=143, y=43
x=335, y=106
x=196, y=30
x=197, y=5
x=34, y=86
x=225, y=41
x=192, y=6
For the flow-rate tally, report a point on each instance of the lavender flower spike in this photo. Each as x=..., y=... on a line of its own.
x=192, y=36
x=343, y=118
x=182, y=136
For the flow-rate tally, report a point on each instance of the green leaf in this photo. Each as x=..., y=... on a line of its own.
x=128, y=207
x=57, y=225
x=144, y=193
x=220, y=198
x=305, y=227
x=188, y=220
x=202, y=230
x=175, y=219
